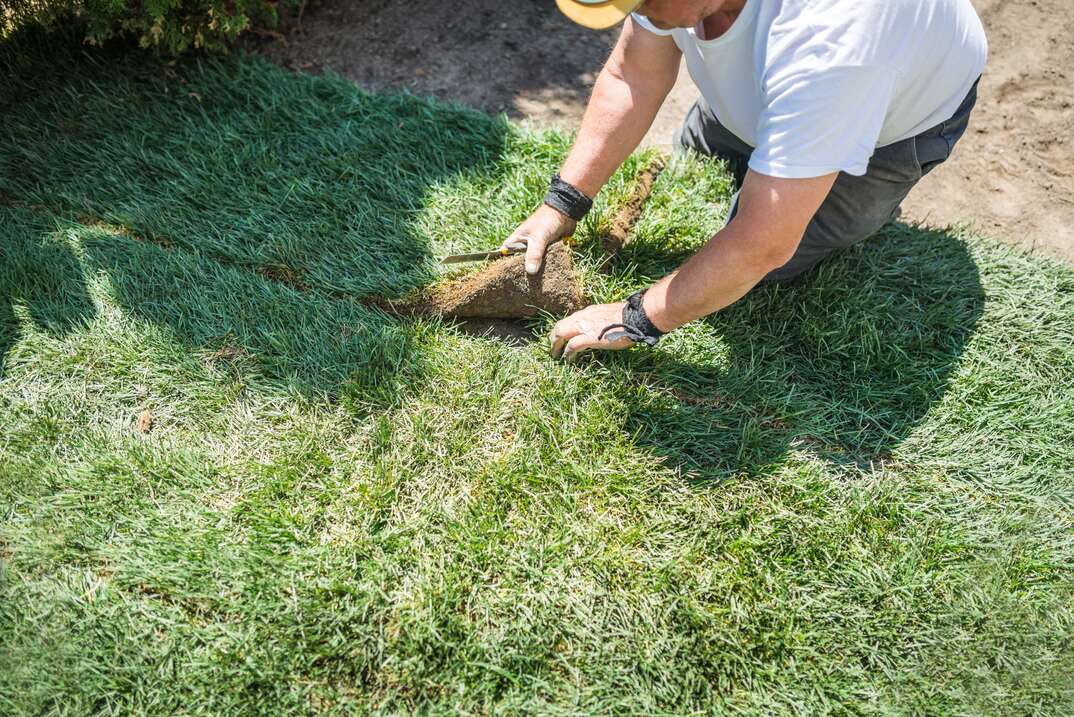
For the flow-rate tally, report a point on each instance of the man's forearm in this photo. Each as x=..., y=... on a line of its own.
x=763, y=236
x=718, y=275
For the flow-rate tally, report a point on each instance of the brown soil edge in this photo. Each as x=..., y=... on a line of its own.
x=620, y=229
x=503, y=290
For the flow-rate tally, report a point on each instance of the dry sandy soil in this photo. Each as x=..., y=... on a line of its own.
x=1012, y=175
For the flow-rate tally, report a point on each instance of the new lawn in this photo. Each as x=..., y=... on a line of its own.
x=850, y=495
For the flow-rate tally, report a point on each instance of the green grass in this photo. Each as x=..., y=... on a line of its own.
x=851, y=495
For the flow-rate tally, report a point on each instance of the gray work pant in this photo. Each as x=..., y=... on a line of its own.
x=856, y=206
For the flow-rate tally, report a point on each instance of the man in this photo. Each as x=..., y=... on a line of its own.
x=829, y=111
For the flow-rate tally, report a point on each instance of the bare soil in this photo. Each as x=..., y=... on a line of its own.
x=493, y=299
x=144, y=422
x=1011, y=176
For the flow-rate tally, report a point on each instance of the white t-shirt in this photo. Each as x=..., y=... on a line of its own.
x=816, y=85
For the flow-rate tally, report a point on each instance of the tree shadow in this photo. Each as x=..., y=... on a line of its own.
x=843, y=363
x=41, y=275
x=242, y=207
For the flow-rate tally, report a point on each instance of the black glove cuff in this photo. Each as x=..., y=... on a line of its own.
x=636, y=325
x=564, y=197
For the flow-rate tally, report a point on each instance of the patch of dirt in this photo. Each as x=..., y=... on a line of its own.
x=228, y=353
x=521, y=57
x=1010, y=175
x=503, y=290
x=283, y=275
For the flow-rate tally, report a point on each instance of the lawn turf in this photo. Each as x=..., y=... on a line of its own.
x=848, y=495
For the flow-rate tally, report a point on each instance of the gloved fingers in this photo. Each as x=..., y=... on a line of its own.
x=578, y=344
x=534, y=246
x=515, y=242
x=584, y=342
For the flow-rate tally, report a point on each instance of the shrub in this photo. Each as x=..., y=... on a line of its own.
x=172, y=26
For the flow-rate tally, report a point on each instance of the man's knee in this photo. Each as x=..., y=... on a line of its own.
x=858, y=207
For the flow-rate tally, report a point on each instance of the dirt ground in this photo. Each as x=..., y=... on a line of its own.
x=1011, y=175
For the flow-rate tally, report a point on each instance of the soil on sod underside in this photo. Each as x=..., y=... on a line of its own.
x=503, y=290
x=621, y=227
x=494, y=299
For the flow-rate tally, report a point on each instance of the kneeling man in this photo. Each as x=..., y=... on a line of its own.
x=828, y=111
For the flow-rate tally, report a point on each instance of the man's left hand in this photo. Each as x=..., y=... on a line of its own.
x=581, y=331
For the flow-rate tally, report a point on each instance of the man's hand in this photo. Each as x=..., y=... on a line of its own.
x=581, y=331
x=543, y=228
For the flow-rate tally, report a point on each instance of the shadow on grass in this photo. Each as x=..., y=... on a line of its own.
x=236, y=203
x=843, y=363
x=39, y=274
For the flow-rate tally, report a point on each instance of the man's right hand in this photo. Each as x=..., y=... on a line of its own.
x=543, y=228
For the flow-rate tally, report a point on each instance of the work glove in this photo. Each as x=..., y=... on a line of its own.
x=544, y=227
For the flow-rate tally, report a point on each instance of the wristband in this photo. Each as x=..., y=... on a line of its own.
x=636, y=324
x=567, y=199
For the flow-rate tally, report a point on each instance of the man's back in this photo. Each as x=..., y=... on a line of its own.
x=816, y=85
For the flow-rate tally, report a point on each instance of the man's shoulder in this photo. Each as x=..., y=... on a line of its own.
x=837, y=32
x=873, y=18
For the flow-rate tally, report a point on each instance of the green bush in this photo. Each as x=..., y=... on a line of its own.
x=171, y=26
